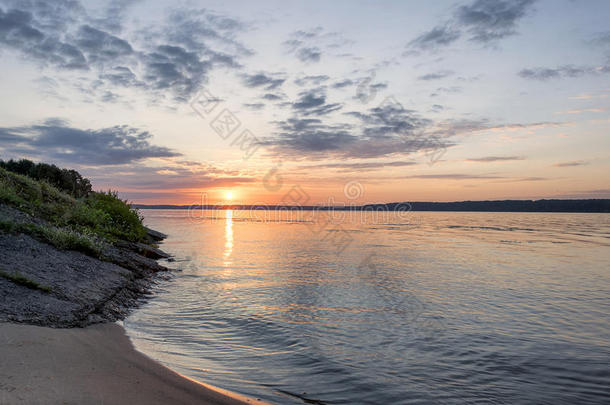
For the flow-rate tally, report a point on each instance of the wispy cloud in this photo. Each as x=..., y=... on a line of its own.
x=495, y=159
x=436, y=75
x=582, y=110
x=572, y=163
x=310, y=45
x=566, y=71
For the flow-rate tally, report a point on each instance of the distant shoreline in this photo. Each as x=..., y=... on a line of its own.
x=566, y=206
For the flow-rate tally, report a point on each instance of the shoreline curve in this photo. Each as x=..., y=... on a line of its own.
x=97, y=364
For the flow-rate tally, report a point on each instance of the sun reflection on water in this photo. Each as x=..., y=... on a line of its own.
x=228, y=237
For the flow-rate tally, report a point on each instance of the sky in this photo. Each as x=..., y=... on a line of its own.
x=317, y=102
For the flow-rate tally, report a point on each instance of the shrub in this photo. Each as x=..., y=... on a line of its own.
x=116, y=217
x=69, y=181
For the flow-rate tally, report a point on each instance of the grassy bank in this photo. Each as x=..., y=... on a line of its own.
x=81, y=223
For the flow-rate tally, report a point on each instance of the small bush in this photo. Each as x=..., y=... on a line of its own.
x=116, y=217
x=66, y=239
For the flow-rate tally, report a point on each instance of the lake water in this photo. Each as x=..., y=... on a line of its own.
x=385, y=308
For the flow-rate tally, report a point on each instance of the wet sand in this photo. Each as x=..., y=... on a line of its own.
x=93, y=365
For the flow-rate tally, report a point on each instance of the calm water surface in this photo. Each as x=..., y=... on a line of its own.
x=431, y=307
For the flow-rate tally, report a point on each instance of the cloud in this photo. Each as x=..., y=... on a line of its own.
x=482, y=21
x=495, y=159
x=177, y=69
x=271, y=97
x=344, y=83
x=101, y=46
x=436, y=75
x=54, y=139
x=266, y=81
x=309, y=46
x=313, y=102
x=542, y=73
x=381, y=131
x=446, y=90
x=254, y=106
x=601, y=38
x=312, y=54
x=121, y=76
x=21, y=31
x=315, y=80
x=358, y=167
x=172, y=58
x=491, y=20
x=435, y=38
x=305, y=135
x=571, y=164
x=454, y=176
x=390, y=119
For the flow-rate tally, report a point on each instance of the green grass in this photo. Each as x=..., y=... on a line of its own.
x=20, y=279
x=100, y=214
x=64, y=239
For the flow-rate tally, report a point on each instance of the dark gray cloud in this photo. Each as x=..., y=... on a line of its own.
x=571, y=164
x=491, y=20
x=173, y=58
x=264, y=80
x=382, y=131
x=389, y=120
x=543, y=73
x=199, y=29
x=482, y=21
x=309, y=135
x=436, y=75
x=313, y=102
x=121, y=76
x=435, y=38
x=20, y=30
x=101, y=46
x=496, y=159
x=108, y=146
x=344, y=83
x=271, y=97
x=176, y=69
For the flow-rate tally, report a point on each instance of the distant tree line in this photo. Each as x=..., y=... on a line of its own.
x=69, y=181
x=580, y=205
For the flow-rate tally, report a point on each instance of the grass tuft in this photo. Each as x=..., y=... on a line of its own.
x=20, y=279
x=64, y=239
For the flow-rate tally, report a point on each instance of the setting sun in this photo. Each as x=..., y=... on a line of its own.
x=229, y=195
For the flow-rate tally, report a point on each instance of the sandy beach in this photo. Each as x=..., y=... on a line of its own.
x=92, y=365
